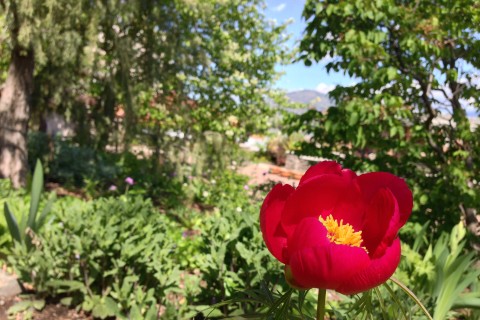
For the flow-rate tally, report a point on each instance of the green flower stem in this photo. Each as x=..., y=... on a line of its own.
x=412, y=296
x=322, y=297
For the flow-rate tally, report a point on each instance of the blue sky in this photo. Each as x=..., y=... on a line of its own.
x=297, y=76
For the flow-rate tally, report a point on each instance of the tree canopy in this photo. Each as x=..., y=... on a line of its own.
x=182, y=65
x=415, y=67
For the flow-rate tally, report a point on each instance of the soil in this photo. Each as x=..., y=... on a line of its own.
x=60, y=312
x=6, y=303
x=50, y=312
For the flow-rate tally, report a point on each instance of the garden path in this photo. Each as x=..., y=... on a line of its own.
x=262, y=173
x=9, y=289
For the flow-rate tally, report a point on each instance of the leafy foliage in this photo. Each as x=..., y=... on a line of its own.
x=415, y=68
x=124, y=72
x=442, y=273
x=275, y=304
x=22, y=233
x=439, y=272
x=108, y=255
x=26, y=308
x=91, y=173
x=122, y=257
x=188, y=80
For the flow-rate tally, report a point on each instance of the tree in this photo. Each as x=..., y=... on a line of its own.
x=417, y=68
x=37, y=30
x=182, y=66
x=217, y=59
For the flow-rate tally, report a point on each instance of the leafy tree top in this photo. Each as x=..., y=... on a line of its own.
x=415, y=62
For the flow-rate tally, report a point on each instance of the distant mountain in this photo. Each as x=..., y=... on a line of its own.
x=311, y=98
x=321, y=102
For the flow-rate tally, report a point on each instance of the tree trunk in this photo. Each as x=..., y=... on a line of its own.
x=14, y=116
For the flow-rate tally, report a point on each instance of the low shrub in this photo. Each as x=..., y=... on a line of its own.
x=72, y=165
x=112, y=257
x=95, y=173
x=122, y=257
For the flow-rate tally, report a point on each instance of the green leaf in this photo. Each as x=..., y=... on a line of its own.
x=457, y=279
x=151, y=313
x=354, y=116
x=276, y=306
x=468, y=300
x=106, y=308
x=382, y=304
x=111, y=305
x=46, y=210
x=19, y=307
x=12, y=224
x=101, y=311
x=391, y=73
x=135, y=313
x=38, y=304
x=393, y=131
x=63, y=286
x=37, y=187
x=87, y=304
x=423, y=199
x=66, y=301
x=396, y=300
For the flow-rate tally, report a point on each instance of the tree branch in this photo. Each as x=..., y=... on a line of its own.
x=425, y=87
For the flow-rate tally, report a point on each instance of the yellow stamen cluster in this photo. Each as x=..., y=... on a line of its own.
x=340, y=233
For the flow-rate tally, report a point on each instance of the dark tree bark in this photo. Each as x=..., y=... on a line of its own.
x=14, y=115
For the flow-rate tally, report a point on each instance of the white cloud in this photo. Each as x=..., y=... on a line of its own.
x=273, y=21
x=324, y=87
x=328, y=58
x=353, y=83
x=280, y=7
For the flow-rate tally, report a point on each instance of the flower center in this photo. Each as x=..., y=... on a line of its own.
x=340, y=233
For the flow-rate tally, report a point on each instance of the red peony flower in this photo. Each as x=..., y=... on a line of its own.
x=337, y=230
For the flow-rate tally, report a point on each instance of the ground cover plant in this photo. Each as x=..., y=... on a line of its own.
x=120, y=256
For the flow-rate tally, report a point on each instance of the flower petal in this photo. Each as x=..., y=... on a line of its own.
x=379, y=271
x=291, y=280
x=324, y=195
x=371, y=182
x=381, y=222
x=328, y=266
x=310, y=232
x=350, y=208
x=270, y=214
x=324, y=167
